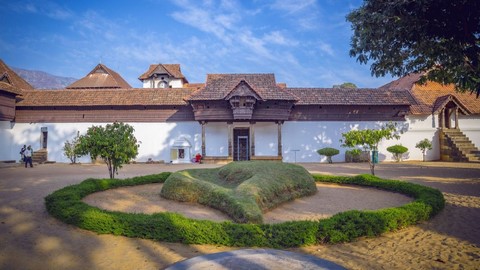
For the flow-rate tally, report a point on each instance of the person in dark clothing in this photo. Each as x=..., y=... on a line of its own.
x=22, y=152
x=28, y=156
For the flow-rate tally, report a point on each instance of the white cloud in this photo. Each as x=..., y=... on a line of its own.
x=276, y=37
x=294, y=6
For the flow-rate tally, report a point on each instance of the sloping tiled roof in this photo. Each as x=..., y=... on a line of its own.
x=6, y=87
x=106, y=97
x=343, y=96
x=15, y=80
x=426, y=95
x=172, y=69
x=100, y=77
x=218, y=86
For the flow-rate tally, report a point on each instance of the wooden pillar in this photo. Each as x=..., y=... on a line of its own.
x=230, y=138
x=203, y=138
x=252, y=139
x=456, y=118
x=442, y=118
x=279, y=135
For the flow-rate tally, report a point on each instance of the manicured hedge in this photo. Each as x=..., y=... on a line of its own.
x=66, y=205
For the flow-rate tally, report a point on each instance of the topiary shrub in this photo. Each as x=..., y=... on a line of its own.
x=328, y=152
x=66, y=205
x=397, y=150
x=424, y=145
x=242, y=190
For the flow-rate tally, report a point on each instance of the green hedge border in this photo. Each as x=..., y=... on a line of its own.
x=66, y=205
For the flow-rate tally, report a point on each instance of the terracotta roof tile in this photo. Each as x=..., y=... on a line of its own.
x=15, y=80
x=218, y=86
x=106, y=97
x=172, y=69
x=427, y=95
x=343, y=96
x=6, y=87
x=100, y=77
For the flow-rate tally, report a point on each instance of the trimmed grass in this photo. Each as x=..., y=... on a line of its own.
x=242, y=190
x=66, y=205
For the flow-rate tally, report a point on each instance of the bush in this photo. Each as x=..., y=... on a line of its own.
x=397, y=151
x=66, y=205
x=242, y=190
x=424, y=145
x=328, y=152
x=356, y=155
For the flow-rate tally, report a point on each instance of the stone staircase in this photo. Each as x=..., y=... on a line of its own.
x=455, y=146
x=40, y=156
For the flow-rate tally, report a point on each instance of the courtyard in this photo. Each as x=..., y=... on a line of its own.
x=31, y=239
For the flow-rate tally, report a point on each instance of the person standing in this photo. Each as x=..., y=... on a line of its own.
x=28, y=156
x=22, y=152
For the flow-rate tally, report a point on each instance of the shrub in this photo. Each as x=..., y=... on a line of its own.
x=328, y=152
x=242, y=190
x=397, y=151
x=424, y=145
x=66, y=205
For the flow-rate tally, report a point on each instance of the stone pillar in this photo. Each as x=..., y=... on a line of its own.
x=203, y=138
x=279, y=135
x=456, y=118
x=230, y=138
x=252, y=139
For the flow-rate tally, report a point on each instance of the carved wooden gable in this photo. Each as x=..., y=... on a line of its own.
x=242, y=100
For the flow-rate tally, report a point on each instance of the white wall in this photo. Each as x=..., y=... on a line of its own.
x=156, y=138
x=266, y=139
x=174, y=83
x=308, y=137
x=470, y=126
x=216, y=139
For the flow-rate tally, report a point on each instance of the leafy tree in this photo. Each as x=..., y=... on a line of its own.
x=71, y=149
x=114, y=143
x=328, y=152
x=347, y=85
x=368, y=139
x=424, y=145
x=397, y=150
x=440, y=38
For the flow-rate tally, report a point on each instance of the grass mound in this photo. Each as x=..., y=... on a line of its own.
x=242, y=190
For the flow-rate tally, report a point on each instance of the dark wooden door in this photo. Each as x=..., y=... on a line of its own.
x=241, y=143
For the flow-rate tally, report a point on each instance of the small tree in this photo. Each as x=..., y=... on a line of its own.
x=71, y=150
x=368, y=139
x=114, y=143
x=424, y=145
x=397, y=150
x=328, y=152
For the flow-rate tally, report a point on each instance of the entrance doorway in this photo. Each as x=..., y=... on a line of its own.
x=241, y=143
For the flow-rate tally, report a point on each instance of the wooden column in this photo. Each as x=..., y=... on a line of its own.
x=230, y=138
x=279, y=135
x=442, y=119
x=252, y=139
x=456, y=118
x=203, y=138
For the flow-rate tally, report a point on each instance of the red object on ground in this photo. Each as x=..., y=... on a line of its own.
x=198, y=157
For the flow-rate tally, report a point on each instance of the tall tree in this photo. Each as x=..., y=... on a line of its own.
x=440, y=38
x=114, y=143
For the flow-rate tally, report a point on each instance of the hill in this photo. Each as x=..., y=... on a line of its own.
x=43, y=80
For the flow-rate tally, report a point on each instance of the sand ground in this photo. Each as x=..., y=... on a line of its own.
x=31, y=239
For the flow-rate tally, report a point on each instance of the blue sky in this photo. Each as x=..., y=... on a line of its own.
x=304, y=43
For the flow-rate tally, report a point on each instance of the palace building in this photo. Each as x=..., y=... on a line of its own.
x=234, y=117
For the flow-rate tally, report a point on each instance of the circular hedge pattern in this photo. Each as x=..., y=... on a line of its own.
x=66, y=205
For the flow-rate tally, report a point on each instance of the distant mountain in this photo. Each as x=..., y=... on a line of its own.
x=43, y=80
